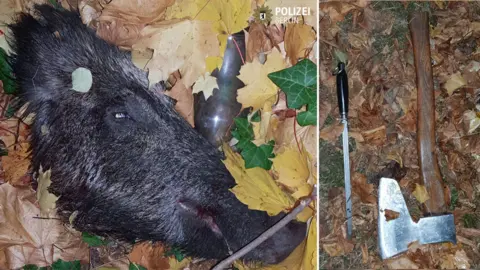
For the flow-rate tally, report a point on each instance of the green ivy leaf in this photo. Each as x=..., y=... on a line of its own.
x=243, y=129
x=308, y=117
x=63, y=265
x=33, y=267
x=258, y=156
x=242, y=144
x=256, y=117
x=175, y=252
x=299, y=83
x=9, y=86
x=134, y=266
x=93, y=240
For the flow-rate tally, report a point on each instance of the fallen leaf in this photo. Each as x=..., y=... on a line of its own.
x=472, y=119
x=459, y=260
x=255, y=187
x=45, y=199
x=391, y=215
x=257, y=42
x=205, y=84
x=376, y=136
x=362, y=189
x=299, y=39
x=401, y=263
x=141, y=58
x=192, y=42
x=149, y=256
x=213, y=62
x=8, y=8
x=311, y=252
x=119, y=33
x=176, y=265
x=291, y=166
x=286, y=135
x=420, y=193
x=15, y=165
x=142, y=11
x=365, y=257
x=333, y=249
x=455, y=82
x=184, y=98
x=332, y=132
x=228, y=17
x=25, y=239
x=259, y=88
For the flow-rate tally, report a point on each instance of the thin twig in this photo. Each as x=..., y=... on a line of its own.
x=267, y=234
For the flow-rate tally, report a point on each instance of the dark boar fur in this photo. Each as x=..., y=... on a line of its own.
x=121, y=157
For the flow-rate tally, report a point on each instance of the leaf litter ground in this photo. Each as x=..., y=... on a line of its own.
x=277, y=142
x=374, y=38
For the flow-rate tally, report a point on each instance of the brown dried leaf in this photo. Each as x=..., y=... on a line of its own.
x=408, y=122
x=332, y=132
x=184, y=98
x=376, y=136
x=149, y=256
x=284, y=135
x=299, y=39
x=15, y=166
x=401, y=263
x=138, y=12
x=29, y=240
x=391, y=215
x=258, y=41
x=362, y=189
x=119, y=33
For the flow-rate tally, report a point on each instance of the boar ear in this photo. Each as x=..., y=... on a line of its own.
x=42, y=60
x=191, y=210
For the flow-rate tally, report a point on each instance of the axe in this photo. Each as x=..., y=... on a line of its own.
x=395, y=235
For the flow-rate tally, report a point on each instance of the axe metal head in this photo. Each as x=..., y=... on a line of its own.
x=395, y=235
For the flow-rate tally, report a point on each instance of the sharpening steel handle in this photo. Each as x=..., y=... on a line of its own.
x=430, y=171
x=342, y=90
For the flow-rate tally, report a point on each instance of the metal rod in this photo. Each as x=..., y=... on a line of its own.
x=346, y=169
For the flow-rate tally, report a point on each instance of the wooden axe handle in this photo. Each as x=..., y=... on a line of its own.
x=430, y=172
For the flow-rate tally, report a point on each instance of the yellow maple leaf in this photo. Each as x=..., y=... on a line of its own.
x=291, y=165
x=46, y=200
x=228, y=17
x=192, y=42
x=259, y=88
x=311, y=251
x=299, y=39
x=420, y=193
x=213, y=62
x=263, y=130
x=255, y=187
x=205, y=84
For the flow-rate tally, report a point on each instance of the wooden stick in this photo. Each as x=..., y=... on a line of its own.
x=430, y=172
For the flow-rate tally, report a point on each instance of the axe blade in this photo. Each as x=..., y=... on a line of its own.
x=395, y=235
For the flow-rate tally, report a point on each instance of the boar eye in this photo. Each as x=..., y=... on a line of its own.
x=121, y=115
